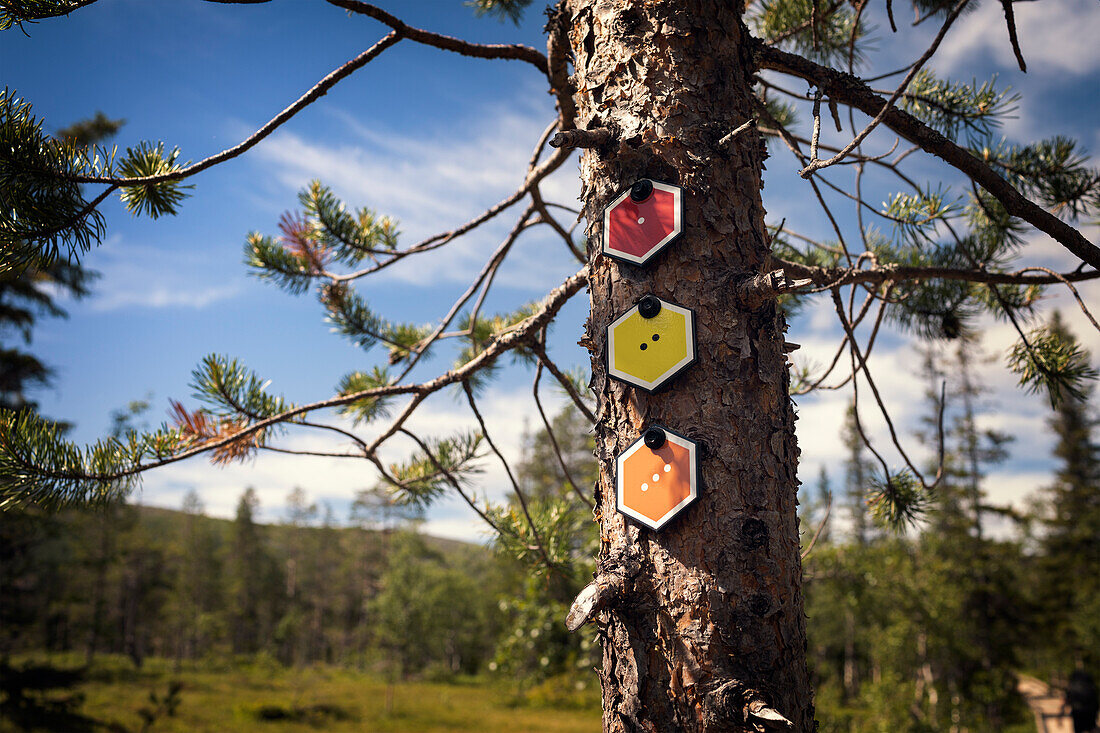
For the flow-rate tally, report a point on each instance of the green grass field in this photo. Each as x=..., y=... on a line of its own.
x=110, y=696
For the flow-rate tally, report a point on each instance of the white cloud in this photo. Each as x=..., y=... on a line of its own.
x=1054, y=38
x=163, y=296
x=141, y=276
x=1015, y=488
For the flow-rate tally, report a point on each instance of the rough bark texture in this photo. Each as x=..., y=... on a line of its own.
x=708, y=631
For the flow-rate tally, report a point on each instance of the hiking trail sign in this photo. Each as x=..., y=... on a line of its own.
x=651, y=343
x=642, y=221
x=656, y=477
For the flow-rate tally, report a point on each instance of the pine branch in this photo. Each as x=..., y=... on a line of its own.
x=503, y=9
x=423, y=479
x=368, y=408
x=447, y=43
x=851, y=90
x=36, y=465
x=18, y=12
x=39, y=467
x=39, y=178
x=232, y=390
x=39, y=208
x=822, y=33
x=316, y=92
x=830, y=277
x=152, y=199
x=949, y=107
x=898, y=500
x=1054, y=362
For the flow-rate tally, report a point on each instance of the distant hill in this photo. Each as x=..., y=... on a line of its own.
x=170, y=522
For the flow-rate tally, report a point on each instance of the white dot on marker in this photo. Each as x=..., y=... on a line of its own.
x=667, y=468
x=645, y=487
x=641, y=220
x=656, y=477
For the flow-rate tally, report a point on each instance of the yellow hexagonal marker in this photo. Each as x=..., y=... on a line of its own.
x=651, y=343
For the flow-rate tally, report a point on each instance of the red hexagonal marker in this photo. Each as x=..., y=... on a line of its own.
x=656, y=477
x=642, y=221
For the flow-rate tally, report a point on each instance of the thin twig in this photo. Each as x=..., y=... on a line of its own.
x=456, y=484
x=1064, y=279
x=762, y=110
x=563, y=380
x=1010, y=21
x=553, y=441
x=858, y=355
x=751, y=122
x=820, y=527
x=443, y=238
x=816, y=165
x=515, y=51
x=547, y=218
x=486, y=272
x=321, y=454
x=316, y=92
x=511, y=477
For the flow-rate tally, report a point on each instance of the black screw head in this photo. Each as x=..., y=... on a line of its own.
x=654, y=438
x=641, y=190
x=649, y=306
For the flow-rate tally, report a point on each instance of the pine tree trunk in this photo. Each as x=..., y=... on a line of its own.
x=706, y=631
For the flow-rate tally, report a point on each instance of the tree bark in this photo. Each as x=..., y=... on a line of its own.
x=702, y=625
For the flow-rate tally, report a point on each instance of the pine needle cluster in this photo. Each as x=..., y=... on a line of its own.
x=428, y=474
x=823, y=31
x=43, y=209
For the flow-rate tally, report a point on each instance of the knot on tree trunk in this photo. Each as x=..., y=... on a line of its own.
x=581, y=138
x=613, y=577
x=731, y=702
x=755, y=290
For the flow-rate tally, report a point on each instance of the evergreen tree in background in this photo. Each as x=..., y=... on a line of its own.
x=198, y=593
x=702, y=624
x=557, y=460
x=28, y=294
x=253, y=581
x=1070, y=586
x=858, y=472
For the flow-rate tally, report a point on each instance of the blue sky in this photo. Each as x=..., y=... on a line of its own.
x=432, y=139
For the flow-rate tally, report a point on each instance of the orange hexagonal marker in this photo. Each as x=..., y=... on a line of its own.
x=656, y=477
x=651, y=343
x=642, y=221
